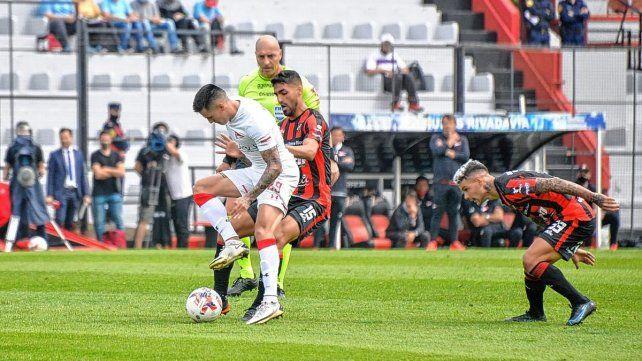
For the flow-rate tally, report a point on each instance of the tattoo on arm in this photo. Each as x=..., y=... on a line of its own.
x=557, y=185
x=272, y=171
x=245, y=160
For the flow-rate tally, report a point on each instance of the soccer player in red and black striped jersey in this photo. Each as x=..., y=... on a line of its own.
x=306, y=136
x=563, y=210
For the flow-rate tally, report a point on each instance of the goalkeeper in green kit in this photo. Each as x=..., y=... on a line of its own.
x=257, y=86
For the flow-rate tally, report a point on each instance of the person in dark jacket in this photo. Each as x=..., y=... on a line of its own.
x=173, y=9
x=345, y=160
x=407, y=224
x=573, y=15
x=538, y=15
x=449, y=151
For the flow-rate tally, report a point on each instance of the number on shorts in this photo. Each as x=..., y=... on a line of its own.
x=308, y=214
x=557, y=227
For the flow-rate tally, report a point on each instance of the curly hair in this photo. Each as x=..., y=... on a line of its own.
x=467, y=169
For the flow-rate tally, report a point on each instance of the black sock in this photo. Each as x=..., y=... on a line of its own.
x=222, y=277
x=554, y=278
x=535, y=293
x=259, y=294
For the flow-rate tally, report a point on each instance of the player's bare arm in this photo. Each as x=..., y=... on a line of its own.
x=272, y=171
x=306, y=151
x=561, y=186
x=230, y=148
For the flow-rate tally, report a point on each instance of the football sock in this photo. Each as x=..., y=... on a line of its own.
x=246, y=262
x=214, y=211
x=269, y=266
x=259, y=294
x=283, y=265
x=222, y=276
x=554, y=278
x=535, y=293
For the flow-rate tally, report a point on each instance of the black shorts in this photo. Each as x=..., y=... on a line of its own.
x=567, y=236
x=308, y=214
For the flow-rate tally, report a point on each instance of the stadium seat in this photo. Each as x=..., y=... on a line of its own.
x=356, y=229
x=363, y=31
x=131, y=82
x=615, y=137
x=481, y=83
x=6, y=136
x=307, y=242
x=333, y=31
x=132, y=133
x=5, y=81
x=4, y=25
x=35, y=26
x=46, y=137
x=447, y=33
x=341, y=82
x=224, y=81
x=447, y=84
x=100, y=82
x=379, y=224
x=305, y=31
x=161, y=81
x=194, y=133
x=244, y=26
x=418, y=32
x=366, y=83
x=314, y=80
x=68, y=82
x=191, y=82
x=393, y=29
x=39, y=81
x=277, y=28
x=430, y=82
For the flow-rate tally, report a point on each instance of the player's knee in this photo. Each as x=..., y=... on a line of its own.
x=262, y=232
x=202, y=186
x=529, y=261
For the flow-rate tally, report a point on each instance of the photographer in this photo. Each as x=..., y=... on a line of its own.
x=112, y=125
x=24, y=160
x=180, y=189
x=151, y=163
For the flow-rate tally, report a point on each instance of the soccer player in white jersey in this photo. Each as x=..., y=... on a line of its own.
x=270, y=180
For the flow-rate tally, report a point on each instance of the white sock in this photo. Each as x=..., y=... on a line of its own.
x=214, y=211
x=269, y=267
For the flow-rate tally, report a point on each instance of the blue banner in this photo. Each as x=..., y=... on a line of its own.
x=531, y=122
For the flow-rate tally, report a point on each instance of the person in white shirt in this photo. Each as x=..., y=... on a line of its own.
x=396, y=75
x=180, y=189
x=270, y=180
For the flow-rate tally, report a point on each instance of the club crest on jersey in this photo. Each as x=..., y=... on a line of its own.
x=542, y=212
x=278, y=113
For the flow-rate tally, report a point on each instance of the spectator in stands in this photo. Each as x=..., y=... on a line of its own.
x=62, y=20
x=345, y=160
x=573, y=15
x=174, y=10
x=374, y=203
x=109, y=169
x=115, y=130
x=525, y=228
x=612, y=219
x=150, y=164
x=151, y=21
x=407, y=223
x=90, y=12
x=538, y=15
x=487, y=224
x=180, y=189
x=24, y=162
x=66, y=179
x=449, y=151
x=211, y=20
x=422, y=187
x=121, y=16
x=395, y=74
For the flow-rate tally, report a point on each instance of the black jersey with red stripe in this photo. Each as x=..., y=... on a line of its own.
x=517, y=190
x=314, y=182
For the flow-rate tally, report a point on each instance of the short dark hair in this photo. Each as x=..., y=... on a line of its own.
x=176, y=138
x=205, y=95
x=63, y=130
x=160, y=124
x=421, y=178
x=103, y=132
x=448, y=117
x=467, y=169
x=336, y=127
x=290, y=77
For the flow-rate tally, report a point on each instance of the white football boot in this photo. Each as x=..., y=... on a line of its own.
x=233, y=250
x=266, y=311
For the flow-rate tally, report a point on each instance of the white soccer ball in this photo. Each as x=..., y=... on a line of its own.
x=38, y=244
x=204, y=305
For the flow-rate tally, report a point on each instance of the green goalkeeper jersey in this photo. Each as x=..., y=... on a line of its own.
x=256, y=86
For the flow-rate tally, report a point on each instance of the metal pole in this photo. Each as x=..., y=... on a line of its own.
x=573, y=89
x=81, y=87
x=11, y=73
x=149, y=91
x=598, y=170
x=633, y=149
x=396, y=166
x=460, y=80
x=512, y=81
x=329, y=54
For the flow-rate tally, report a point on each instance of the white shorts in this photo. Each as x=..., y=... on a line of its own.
x=278, y=194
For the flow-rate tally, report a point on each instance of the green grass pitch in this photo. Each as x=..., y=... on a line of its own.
x=369, y=305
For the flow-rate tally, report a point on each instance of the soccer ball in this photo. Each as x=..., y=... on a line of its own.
x=204, y=305
x=38, y=244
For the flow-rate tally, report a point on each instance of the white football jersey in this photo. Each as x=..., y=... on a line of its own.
x=253, y=128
